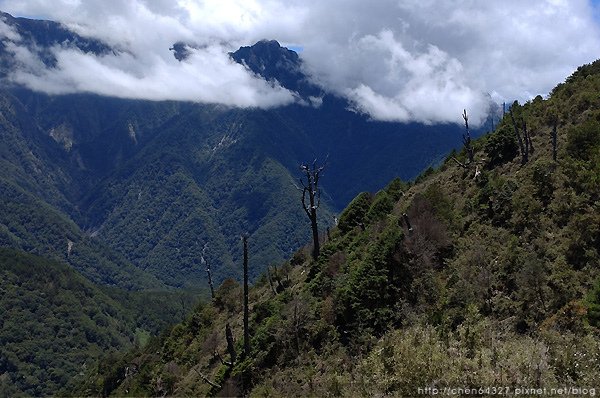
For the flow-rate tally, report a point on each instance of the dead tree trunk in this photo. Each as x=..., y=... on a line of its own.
x=246, y=312
x=459, y=163
x=310, y=189
x=528, y=141
x=407, y=222
x=467, y=138
x=230, y=345
x=207, y=266
x=207, y=380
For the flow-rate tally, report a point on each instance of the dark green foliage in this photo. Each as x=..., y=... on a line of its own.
x=355, y=213
x=583, y=242
x=383, y=203
x=495, y=199
x=440, y=203
x=583, y=166
x=544, y=180
x=582, y=72
x=55, y=322
x=501, y=146
x=583, y=141
x=421, y=177
x=367, y=300
x=594, y=305
x=396, y=189
x=32, y=225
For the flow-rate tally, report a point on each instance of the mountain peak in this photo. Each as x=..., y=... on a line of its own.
x=40, y=35
x=267, y=55
x=272, y=61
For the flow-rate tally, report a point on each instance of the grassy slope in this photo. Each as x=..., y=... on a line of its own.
x=55, y=323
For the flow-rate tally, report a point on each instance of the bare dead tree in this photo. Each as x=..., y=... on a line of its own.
x=467, y=138
x=246, y=312
x=312, y=194
x=477, y=172
x=407, y=222
x=207, y=266
x=528, y=142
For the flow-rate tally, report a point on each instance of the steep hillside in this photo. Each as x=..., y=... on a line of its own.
x=35, y=198
x=55, y=324
x=475, y=275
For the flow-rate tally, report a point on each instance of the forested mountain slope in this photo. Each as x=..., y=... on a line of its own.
x=55, y=324
x=36, y=193
x=147, y=184
x=477, y=274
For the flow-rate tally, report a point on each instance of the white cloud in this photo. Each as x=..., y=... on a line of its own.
x=417, y=60
x=7, y=33
x=209, y=75
x=427, y=60
x=145, y=68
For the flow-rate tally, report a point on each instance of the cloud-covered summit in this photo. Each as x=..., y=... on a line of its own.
x=415, y=60
x=207, y=75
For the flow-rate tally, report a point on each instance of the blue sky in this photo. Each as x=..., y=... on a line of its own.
x=596, y=5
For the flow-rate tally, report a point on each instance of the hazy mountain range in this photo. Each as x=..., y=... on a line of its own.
x=146, y=185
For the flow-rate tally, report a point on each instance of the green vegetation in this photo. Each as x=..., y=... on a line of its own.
x=471, y=276
x=29, y=224
x=145, y=185
x=55, y=324
x=153, y=182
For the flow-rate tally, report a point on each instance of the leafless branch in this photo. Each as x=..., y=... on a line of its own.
x=459, y=163
x=206, y=379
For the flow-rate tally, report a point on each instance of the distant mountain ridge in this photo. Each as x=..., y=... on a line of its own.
x=39, y=36
x=156, y=181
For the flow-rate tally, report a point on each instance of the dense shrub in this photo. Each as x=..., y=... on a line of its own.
x=355, y=213
x=501, y=146
x=583, y=141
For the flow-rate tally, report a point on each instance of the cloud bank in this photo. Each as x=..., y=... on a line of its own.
x=414, y=60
